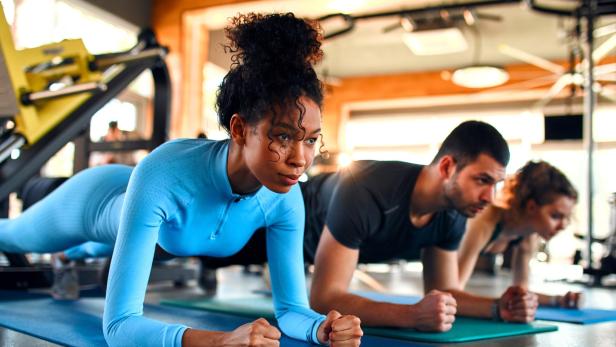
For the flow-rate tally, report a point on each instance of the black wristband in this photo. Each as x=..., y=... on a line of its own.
x=495, y=310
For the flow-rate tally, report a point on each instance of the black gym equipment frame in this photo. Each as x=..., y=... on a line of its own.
x=14, y=173
x=21, y=274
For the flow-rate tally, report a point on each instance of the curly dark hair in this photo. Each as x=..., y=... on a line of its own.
x=541, y=182
x=273, y=58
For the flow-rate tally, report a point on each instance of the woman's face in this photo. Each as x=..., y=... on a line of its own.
x=549, y=219
x=279, y=160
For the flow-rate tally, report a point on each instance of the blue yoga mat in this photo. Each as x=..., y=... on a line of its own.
x=581, y=316
x=79, y=323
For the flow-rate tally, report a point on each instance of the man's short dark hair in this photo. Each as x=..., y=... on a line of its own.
x=470, y=139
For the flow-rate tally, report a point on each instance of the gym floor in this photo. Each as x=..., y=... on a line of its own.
x=233, y=281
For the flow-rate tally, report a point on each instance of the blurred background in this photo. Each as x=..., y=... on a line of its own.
x=399, y=76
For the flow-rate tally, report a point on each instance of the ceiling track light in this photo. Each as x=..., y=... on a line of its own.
x=407, y=23
x=469, y=17
x=445, y=15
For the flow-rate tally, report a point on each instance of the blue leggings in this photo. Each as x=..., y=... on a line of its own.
x=85, y=208
x=89, y=250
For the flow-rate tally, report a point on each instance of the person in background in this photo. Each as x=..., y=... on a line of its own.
x=114, y=134
x=536, y=203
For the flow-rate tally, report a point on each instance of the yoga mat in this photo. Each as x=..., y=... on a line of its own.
x=577, y=316
x=581, y=316
x=66, y=323
x=464, y=329
x=79, y=323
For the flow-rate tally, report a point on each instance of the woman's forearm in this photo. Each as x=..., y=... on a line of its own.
x=195, y=338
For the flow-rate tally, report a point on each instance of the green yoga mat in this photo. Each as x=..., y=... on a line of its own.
x=464, y=329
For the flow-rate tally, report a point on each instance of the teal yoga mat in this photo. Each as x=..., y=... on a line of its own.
x=464, y=329
x=576, y=316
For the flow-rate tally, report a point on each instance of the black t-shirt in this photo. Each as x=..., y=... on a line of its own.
x=367, y=206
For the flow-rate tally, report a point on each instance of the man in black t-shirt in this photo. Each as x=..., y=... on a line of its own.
x=380, y=211
x=366, y=207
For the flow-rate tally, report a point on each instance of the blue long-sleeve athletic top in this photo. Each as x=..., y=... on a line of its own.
x=180, y=197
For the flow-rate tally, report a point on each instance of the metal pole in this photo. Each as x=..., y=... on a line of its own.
x=105, y=62
x=29, y=98
x=7, y=147
x=590, y=101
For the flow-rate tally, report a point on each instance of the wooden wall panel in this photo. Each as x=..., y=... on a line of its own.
x=400, y=86
x=185, y=59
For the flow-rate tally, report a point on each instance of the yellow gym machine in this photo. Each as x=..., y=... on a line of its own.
x=28, y=76
x=49, y=93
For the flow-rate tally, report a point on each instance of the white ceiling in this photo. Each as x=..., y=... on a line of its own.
x=367, y=50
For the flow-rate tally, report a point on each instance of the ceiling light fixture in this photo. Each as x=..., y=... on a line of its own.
x=434, y=42
x=480, y=76
x=407, y=23
x=432, y=34
x=469, y=17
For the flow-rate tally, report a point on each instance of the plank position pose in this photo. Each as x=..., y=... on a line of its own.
x=382, y=211
x=536, y=202
x=378, y=211
x=200, y=197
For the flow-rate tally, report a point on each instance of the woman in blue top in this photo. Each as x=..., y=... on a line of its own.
x=200, y=197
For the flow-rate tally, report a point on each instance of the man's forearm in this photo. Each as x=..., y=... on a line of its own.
x=371, y=313
x=569, y=299
x=547, y=300
x=470, y=305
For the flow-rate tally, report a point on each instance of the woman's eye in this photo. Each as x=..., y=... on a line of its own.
x=311, y=141
x=284, y=137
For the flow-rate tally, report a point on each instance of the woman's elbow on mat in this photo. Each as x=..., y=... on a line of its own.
x=140, y=331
